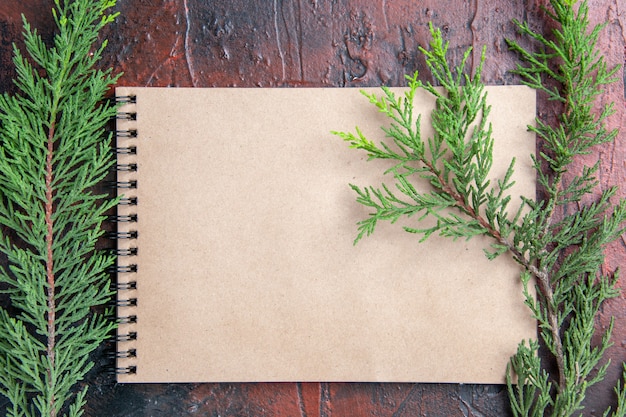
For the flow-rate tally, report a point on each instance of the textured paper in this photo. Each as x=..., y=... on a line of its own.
x=246, y=267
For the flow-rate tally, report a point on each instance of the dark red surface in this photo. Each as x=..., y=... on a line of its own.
x=277, y=43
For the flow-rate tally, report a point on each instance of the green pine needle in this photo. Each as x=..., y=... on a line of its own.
x=53, y=151
x=563, y=253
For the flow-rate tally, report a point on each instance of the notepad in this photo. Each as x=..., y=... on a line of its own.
x=237, y=261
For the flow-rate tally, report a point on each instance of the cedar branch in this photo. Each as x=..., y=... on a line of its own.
x=542, y=276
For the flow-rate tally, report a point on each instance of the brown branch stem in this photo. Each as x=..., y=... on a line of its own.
x=542, y=276
x=50, y=267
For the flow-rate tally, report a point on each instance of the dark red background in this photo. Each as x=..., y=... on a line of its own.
x=322, y=43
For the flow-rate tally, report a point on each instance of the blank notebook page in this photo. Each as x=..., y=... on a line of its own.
x=246, y=268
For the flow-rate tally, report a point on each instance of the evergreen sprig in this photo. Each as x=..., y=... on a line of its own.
x=455, y=161
x=561, y=251
x=53, y=151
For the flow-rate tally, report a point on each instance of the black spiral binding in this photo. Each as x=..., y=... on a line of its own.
x=126, y=235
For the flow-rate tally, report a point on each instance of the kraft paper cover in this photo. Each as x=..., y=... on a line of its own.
x=246, y=268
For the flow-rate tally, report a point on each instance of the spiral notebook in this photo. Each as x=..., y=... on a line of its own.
x=237, y=261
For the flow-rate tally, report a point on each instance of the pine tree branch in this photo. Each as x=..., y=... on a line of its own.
x=542, y=276
x=53, y=150
x=564, y=255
